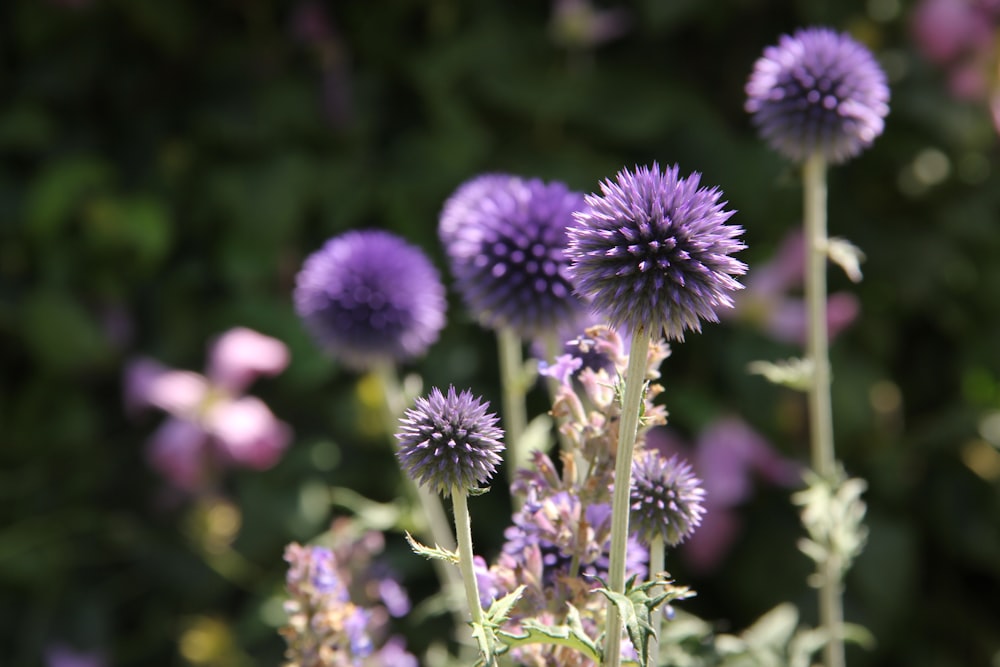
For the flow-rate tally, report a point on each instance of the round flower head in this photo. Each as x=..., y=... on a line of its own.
x=653, y=250
x=666, y=498
x=449, y=441
x=505, y=238
x=369, y=297
x=818, y=91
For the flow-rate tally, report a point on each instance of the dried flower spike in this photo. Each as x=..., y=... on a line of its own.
x=653, y=252
x=818, y=91
x=505, y=238
x=666, y=497
x=370, y=297
x=449, y=441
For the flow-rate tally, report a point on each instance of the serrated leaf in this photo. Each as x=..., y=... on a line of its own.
x=499, y=611
x=570, y=634
x=636, y=605
x=436, y=551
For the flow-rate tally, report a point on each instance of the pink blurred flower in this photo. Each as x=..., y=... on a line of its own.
x=768, y=301
x=211, y=423
x=728, y=456
x=961, y=37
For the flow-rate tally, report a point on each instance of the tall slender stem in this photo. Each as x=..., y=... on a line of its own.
x=628, y=427
x=831, y=609
x=463, y=529
x=515, y=416
x=437, y=526
x=657, y=563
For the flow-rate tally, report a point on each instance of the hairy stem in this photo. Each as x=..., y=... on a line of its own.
x=820, y=410
x=628, y=427
x=463, y=529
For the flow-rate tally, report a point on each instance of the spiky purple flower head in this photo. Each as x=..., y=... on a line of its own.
x=653, y=250
x=818, y=91
x=449, y=441
x=369, y=297
x=667, y=498
x=505, y=238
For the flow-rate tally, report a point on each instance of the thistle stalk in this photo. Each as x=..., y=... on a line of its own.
x=515, y=417
x=820, y=411
x=463, y=529
x=628, y=428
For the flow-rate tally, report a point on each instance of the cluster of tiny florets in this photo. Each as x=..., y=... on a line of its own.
x=370, y=297
x=818, y=91
x=505, y=239
x=667, y=498
x=325, y=627
x=449, y=441
x=653, y=251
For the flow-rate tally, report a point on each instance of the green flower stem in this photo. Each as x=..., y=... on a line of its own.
x=463, y=529
x=515, y=419
x=820, y=410
x=657, y=563
x=437, y=528
x=628, y=428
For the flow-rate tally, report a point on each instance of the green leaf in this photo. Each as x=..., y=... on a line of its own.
x=437, y=551
x=636, y=605
x=499, y=611
x=570, y=634
x=775, y=628
x=791, y=373
x=537, y=436
x=478, y=491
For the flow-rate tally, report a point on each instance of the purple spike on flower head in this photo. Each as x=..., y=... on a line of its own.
x=505, y=238
x=666, y=498
x=449, y=441
x=818, y=91
x=653, y=250
x=369, y=296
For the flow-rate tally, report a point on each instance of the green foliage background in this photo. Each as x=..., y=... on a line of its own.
x=166, y=165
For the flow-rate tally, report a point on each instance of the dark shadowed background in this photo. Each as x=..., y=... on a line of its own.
x=166, y=165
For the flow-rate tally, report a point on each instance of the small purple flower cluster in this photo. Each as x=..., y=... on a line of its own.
x=559, y=540
x=339, y=605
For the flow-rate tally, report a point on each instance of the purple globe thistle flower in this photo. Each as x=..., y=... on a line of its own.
x=666, y=498
x=370, y=297
x=654, y=251
x=818, y=91
x=449, y=441
x=505, y=239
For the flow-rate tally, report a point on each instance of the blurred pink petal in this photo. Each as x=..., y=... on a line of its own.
x=239, y=355
x=783, y=271
x=177, y=451
x=947, y=29
x=787, y=321
x=248, y=432
x=149, y=383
